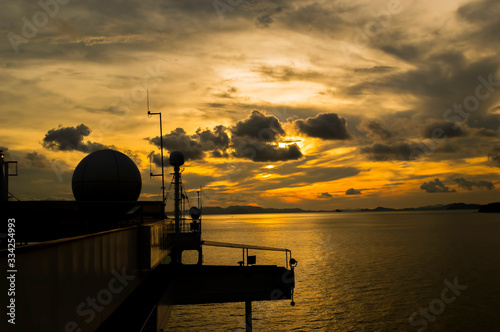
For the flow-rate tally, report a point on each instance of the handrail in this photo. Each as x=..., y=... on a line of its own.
x=185, y=226
x=246, y=247
x=241, y=246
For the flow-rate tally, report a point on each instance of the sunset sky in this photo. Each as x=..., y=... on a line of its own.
x=310, y=104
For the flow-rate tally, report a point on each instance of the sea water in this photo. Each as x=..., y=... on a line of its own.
x=363, y=271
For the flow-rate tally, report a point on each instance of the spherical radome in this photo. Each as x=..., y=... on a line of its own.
x=106, y=175
x=176, y=158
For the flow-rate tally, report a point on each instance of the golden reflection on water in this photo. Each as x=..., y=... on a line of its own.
x=360, y=271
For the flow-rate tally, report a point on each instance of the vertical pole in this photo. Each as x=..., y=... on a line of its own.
x=177, y=198
x=200, y=197
x=162, y=171
x=161, y=156
x=248, y=315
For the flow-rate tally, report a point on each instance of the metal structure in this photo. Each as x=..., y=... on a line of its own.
x=161, y=154
x=4, y=177
x=177, y=160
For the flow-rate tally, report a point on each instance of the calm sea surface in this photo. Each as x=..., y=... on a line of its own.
x=363, y=272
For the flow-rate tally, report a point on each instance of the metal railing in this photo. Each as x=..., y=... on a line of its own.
x=186, y=225
x=289, y=262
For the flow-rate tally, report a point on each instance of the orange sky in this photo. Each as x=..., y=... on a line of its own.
x=311, y=104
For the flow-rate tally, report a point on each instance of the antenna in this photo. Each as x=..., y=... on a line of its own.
x=161, y=155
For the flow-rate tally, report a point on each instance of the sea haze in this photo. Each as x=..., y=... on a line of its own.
x=366, y=271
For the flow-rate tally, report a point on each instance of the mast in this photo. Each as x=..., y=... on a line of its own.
x=177, y=199
x=161, y=155
x=177, y=160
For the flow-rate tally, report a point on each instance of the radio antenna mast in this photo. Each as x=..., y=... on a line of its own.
x=161, y=155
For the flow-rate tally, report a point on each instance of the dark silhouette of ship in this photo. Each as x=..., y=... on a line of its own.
x=107, y=262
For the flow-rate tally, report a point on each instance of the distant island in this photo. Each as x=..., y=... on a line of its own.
x=248, y=209
x=452, y=206
x=492, y=207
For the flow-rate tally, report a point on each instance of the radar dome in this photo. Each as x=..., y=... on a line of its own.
x=176, y=158
x=106, y=175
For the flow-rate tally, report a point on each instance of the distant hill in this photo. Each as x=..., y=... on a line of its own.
x=452, y=206
x=492, y=207
x=246, y=209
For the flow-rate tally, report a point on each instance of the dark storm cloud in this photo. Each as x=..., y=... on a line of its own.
x=37, y=160
x=92, y=29
x=404, y=151
x=301, y=16
x=483, y=18
x=436, y=186
x=324, y=195
x=256, y=138
x=260, y=126
x=253, y=138
x=216, y=139
x=383, y=152
x=115, y=30
x=494, y=157
x=264, y=152
x=155, y=158
x=264, y=21
x=219, y=154
x=328, y=126
x=469, y=185
x=376, y=129
x=65, y=138
x=70, y=139
x=263, y=11
x=494, y=160
x=193, y=147
x=448, y=85
x=403, y=51
x=443, y=129
x=445, y=74
x=353, y=191
x=313, y=16
x=178, y=140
